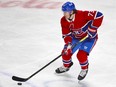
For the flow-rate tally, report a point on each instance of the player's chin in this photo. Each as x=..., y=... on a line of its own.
x=66, y=17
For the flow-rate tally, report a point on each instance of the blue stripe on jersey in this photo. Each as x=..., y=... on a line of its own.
x=99, y=14
x=85, y=27
x=65, y=35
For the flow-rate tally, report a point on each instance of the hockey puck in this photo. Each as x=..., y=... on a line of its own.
x=19, y=83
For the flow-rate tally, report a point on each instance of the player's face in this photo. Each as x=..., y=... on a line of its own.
x=67, y=15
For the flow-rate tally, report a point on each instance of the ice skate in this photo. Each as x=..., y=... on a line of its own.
x=63, y=69
x=82, y=74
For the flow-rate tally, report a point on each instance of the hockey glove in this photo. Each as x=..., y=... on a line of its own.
x=67, y=49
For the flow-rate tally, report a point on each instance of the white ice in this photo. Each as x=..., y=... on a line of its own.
x=30, y=38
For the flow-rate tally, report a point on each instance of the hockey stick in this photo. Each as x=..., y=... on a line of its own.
x=25, y=79
x=15, y=78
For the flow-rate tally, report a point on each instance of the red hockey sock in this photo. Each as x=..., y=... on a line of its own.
x=67, y=60
x=83, y=60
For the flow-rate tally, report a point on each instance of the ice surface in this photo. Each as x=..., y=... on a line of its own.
x=31, y=37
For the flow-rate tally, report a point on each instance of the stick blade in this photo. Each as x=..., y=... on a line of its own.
x=15, y=78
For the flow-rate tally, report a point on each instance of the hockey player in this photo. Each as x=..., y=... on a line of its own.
x=77, y=24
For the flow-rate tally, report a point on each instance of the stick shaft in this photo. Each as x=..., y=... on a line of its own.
x=45, y=66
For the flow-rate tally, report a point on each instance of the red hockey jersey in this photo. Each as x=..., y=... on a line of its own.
x=84, y=22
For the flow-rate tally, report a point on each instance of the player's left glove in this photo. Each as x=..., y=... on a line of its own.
x=67, y=49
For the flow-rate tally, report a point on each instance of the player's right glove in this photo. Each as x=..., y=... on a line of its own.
x=67, y=49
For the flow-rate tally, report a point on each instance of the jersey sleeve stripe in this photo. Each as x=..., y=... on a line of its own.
x=92, y=30
x=65, y=35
